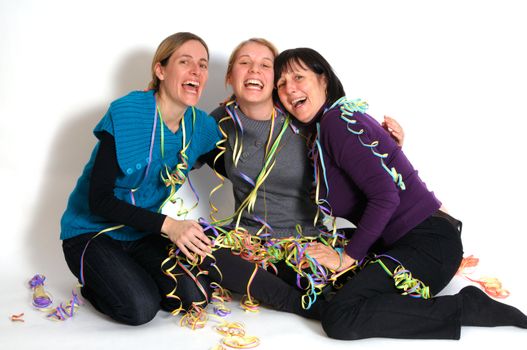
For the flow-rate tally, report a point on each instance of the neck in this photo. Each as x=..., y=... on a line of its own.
x=257, y=111
x=171, y=112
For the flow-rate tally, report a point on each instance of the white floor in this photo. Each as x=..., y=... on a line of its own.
x=90, y=330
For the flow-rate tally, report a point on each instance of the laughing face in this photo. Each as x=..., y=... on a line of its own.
x=252, y=74
x=302, y=91
x=183, y=77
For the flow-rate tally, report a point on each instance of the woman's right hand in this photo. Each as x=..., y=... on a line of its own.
x=395, y=129
x=188, y=236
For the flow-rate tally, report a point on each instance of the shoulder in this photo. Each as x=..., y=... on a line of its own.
x=127, y=110
x=134, y=100
x=202, y=117
x=218, y=113
x=349, y=115
x=134, y=110
x=347, y=122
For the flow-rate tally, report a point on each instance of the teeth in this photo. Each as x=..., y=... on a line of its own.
x=191, y=83
x=254, y=82
x=298, y=101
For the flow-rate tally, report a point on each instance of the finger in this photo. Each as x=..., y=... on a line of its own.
x=317, y=255
x=194, y=248
x=327, y=262
x=197, y=231
x=196, y=225
x=203, y=237
x=202, y=246
x=185, y=251
x=390, y=120
x=311, y=253
x=324, y=248
x=391, y=123
x=399, y=137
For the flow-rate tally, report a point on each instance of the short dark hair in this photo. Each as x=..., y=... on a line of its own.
x=309, y=58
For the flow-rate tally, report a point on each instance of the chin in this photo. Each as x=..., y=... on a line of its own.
x=302, y=117
x=306, y=119
x=190, y=100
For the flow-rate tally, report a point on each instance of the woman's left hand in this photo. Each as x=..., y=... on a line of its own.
x=329, y=257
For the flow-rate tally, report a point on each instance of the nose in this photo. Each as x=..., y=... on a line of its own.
x=254, y=68
x=289, y=87
x=194, y=69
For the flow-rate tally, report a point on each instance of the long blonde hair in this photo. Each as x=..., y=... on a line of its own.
x=166, y=49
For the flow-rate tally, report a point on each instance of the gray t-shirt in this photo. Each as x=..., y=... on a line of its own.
x=283, y=201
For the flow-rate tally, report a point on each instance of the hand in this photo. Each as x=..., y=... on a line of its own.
x=329, y=257
x=188, y=236
x=396, y=131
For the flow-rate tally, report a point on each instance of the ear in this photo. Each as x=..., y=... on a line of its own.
x=159, y=70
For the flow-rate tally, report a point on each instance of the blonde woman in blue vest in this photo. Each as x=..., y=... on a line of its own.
x=113, y=231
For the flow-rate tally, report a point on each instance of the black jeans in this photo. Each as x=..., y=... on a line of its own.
x=278, y=291
x=123, y=279
x=369, y=305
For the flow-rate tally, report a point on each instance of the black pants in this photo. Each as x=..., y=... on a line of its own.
x=369, y=305
x=123, y=279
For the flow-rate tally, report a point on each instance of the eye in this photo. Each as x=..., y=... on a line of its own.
x=183, y=62
x=266, y=66
x=203, y=66
x=298, y=77
x=243, y=62
x=280, y=84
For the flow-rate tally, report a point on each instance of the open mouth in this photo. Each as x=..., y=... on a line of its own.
x=191, y=86
x=298, y=102
x=253, y=83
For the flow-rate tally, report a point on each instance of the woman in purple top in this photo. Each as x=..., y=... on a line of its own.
x=401, y=227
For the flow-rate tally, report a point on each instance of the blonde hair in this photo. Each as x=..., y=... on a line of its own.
x=236, y=51
x=166, y=49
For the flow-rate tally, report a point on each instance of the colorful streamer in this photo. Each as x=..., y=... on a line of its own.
x=41, y=298
x=42, y=301
x=491, y=285
x=17, y=318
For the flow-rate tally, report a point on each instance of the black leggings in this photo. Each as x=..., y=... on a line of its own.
x=277, y=291
x=369, y=305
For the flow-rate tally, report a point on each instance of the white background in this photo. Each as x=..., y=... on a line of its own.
x=453, y=73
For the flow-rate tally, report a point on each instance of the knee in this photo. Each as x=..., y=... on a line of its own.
x=131, y=307
x=138, y=310
x=339, y=322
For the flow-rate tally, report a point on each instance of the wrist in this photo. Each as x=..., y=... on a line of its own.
x=167, y=224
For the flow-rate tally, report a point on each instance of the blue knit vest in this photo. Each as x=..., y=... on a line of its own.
x=130, y=120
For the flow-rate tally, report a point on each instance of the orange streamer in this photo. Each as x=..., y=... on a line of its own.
x=17, y=318
x=491, y=285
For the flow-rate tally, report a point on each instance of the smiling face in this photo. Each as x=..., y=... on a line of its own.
x=252, y=74
x=183, y=77
x=302, y=91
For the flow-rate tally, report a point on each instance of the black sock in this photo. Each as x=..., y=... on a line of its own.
x=482, y=311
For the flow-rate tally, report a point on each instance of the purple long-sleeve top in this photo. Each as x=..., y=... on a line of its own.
x=362, y=191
